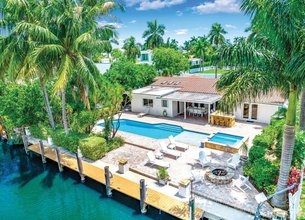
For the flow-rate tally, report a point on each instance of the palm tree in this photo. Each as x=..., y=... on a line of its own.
x=171, y=43
x=302, y=111
x=15, y=49
x=200, y=48
x=132, y=49
x=154, y=34
x=217, y=38
x=270, y=59
x=67, y=41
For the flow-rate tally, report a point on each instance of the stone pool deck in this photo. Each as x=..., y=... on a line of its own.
x=225, y=196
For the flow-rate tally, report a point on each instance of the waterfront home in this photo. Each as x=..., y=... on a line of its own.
x=198, y=97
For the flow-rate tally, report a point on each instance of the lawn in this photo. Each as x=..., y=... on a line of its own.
x=220, y=71
x=302, y=204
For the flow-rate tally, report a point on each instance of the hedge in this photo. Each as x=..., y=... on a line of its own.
x=93, y=147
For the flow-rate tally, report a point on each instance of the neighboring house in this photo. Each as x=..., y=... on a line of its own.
x=146, y=57
x=195, y=61
x=174, y=96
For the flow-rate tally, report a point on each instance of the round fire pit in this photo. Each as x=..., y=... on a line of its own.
x=219, y=175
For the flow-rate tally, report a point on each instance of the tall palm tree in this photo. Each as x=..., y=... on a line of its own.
x=171, y=43
x=200, y=48
x=270, y=59
x=302, y=111
x=67, y=41
x=15, y=48
x=217, y=38
x=132, y=48
x=154, y=34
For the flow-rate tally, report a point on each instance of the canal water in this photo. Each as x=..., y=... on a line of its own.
x=30, y=191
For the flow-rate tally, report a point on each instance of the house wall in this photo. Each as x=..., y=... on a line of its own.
x=157, y=109
x=264, y=112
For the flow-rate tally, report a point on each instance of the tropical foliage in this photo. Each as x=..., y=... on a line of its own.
x=154, y=34
x=169, y=61
x=132, y=49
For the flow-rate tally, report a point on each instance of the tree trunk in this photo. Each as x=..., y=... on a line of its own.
x=64, y=113
x=302, y=111
x=216, y=68
x=47, y=102
x=280, y=200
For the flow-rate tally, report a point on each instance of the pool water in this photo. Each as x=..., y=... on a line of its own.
x=30, y=191
x=226, y=139
x=163, y=130
x=156, y=131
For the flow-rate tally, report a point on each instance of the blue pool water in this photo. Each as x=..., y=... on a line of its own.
x=156, y=131
x=163, y=130
x=226, y=139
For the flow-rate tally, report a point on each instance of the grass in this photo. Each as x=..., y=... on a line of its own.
x=219, y=71
x=302, y=204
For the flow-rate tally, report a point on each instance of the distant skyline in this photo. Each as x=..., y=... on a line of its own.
x=182, y=18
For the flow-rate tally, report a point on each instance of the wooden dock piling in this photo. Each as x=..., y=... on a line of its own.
x=108, y=176
x=143, y=194
x=41, y=147
x=80, y=167
x=58, y=159
x=25, y=144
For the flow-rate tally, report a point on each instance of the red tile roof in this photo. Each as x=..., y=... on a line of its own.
x=188, y=84
x=198, y=84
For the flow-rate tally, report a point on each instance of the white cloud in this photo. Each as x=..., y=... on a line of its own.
x=230, y=26
x=181, y=31
x=133, y=21
x=179, y=13
x=145, y=5
x=115, y=24
x=215, y=6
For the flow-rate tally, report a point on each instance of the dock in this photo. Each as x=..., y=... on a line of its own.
x=158, y=200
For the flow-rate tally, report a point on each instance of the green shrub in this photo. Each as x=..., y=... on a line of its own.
x=263, y=172
x=39, y=131
x=93, y=147
x=69, y=142
x=256, y=152
x=116, y=142
x=263, y=140
x=81, y=122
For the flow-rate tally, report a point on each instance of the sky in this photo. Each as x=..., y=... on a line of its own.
x=182, y=18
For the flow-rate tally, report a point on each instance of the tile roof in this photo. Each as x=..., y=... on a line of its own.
x=188, y=84
x=198, y=84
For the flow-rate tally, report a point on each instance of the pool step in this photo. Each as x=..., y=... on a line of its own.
x=169, y=127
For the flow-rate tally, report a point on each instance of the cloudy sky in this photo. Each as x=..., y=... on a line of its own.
x=182, y=18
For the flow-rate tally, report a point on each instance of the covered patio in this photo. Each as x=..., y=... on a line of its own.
x=192, y=104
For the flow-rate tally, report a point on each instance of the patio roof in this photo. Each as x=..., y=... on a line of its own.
x=206, y=98
x=154, y=90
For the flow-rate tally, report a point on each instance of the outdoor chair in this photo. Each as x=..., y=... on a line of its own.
x=233, y=162
x=160, y=163
x=241, y=183
x=145, y=112
x=172, y=153
x=177, y=145
x=197, y=176
x=203, y=160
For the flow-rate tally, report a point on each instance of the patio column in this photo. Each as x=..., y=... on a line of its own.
x=184, y=110
x=214, y=106
x=209, y=112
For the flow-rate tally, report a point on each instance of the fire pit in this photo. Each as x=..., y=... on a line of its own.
x=219, y=175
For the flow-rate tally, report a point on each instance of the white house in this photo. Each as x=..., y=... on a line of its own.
x=146, y=57
x=193, y=95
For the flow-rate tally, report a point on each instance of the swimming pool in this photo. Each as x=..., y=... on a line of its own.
x=161, y=131
x=226, y=139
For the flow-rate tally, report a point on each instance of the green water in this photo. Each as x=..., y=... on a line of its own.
x=30, y=191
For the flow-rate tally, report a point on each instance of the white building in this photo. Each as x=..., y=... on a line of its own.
x=187, y=96
x=146, y=57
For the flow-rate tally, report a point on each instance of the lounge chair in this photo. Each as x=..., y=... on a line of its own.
x=241, y=183
x=177, y=145
x=203, y=160
x=160, y=163
x=197, y=176
x=145, y=112
x=233, y=162
x=172, y=153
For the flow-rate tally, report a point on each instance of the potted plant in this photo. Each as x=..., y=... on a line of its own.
x=163, y=176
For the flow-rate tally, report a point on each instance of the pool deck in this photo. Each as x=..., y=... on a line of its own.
x=119, y=182
x=226, y=196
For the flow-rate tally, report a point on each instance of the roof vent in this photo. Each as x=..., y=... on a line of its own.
x=176, y=83
x=171, y=82
x=164, y=82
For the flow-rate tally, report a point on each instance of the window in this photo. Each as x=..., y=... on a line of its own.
x=144, y=57
x=164, y=103
x=246, y=111
x=254, y=112
x=148, y=102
